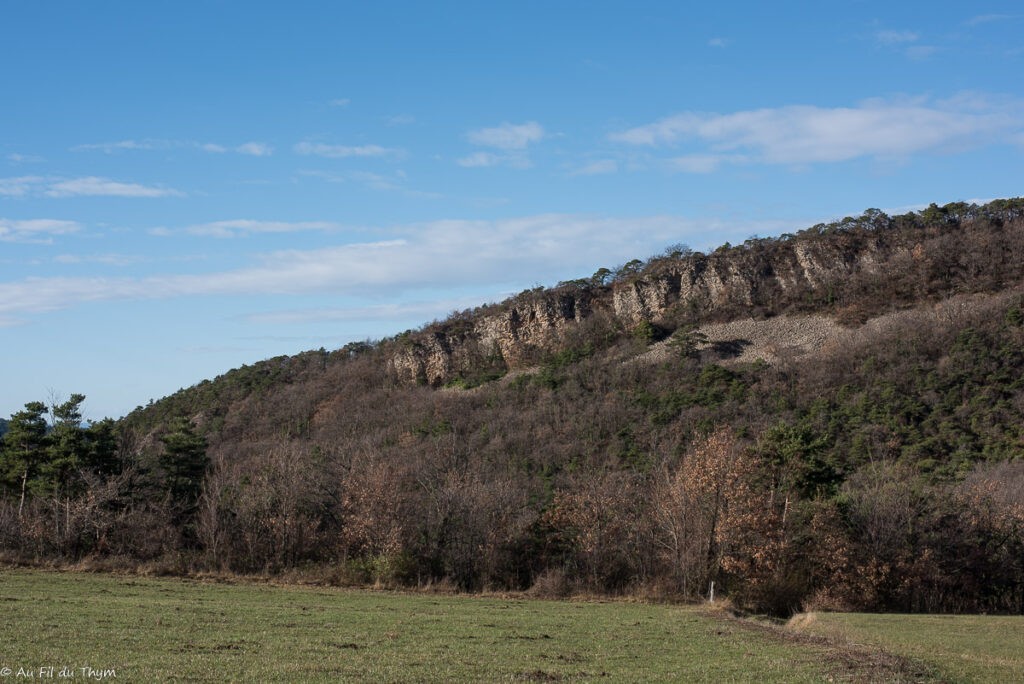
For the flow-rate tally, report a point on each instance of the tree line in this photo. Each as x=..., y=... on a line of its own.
x=884, y=478
x=68, y=483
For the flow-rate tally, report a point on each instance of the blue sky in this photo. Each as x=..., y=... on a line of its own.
x=189, y=186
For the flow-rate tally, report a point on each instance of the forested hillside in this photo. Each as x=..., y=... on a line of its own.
x=854, y=439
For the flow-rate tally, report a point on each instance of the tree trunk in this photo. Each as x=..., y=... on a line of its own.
x=24, y=485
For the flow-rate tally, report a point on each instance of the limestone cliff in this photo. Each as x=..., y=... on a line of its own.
x=668, y=291
x=853, y=265
x=512, y=335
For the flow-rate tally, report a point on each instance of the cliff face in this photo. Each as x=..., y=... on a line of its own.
x=849, y=269
x=693, y=287
x=509, y=337
x=746, y=277
x=533, y=324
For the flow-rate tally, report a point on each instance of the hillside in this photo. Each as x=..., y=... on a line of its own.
x=831, y=418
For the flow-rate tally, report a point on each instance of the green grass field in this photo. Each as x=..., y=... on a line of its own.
x=149, y=629
x=962, y=648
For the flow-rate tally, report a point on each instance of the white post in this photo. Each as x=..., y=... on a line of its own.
x=711, y=594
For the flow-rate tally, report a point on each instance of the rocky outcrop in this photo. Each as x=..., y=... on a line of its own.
x=742, y=277
x=646, y=298
x=694, y=286
x=813, y=270
x=511, y=336
x=426, y=360
x=534, y=324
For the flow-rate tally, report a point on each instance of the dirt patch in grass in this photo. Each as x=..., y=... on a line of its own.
x=849, y=662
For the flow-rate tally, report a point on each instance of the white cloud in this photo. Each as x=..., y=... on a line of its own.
x=35, y=230
x=122, y=145
x=511, y=139
x=106, y=259
x=342, y=151
x=19, y=186
x=240, y=227
x=890, y=37
x=508, y=136
x=374, y=181
x=598, y=167
x=94, y=186
x=515, y=160
x=718, y=42
x=920, y=52
x=89, y=186
x=341, y=102
x=808, y=134
x=16, y=158
x=988, y=18
x=667, y=130
x=255, y=149
x=437, y=255
x=479, y=159
x=697, y=163
x=401, y=120
x=905, y=40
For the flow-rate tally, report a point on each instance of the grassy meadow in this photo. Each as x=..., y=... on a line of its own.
x=961, y=648
x=156, y=629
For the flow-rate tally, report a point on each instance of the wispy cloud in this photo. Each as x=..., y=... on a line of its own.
x=123, y=145
x=255, y=149
x=395, y=182
x=35, y=230
x=341, y=102
x=803, y=134
x=88, y=186
x=401, y=120
x=438, y=255
x=508, y=136
x=105, y=259
x=17, y=158
x=19, y=186
x=920, y=52
x=162, y=144
x=343, y=151
x=890, y=37
x=989, y=18
x=243, y=227
x=905, y=41
x=511, y=139
x=595, y=168
x=698, y=163
x=94, y=186
x=374, y=181
x=480, y=159
x=718, y=42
